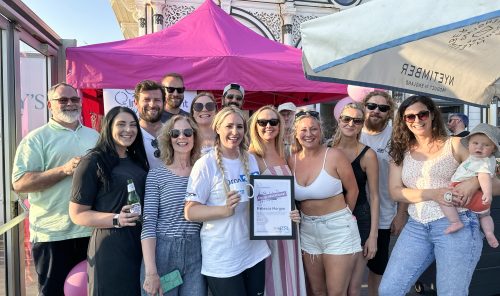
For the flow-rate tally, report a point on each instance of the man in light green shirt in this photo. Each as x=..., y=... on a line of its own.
x=43, y=167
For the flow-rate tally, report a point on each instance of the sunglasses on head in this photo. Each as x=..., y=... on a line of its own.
x=175, y=133
x=171, y=90
x=264, y=122
x=65, y=100
x=236, y=97
x=154, y=144
x=347, y=119
x=198, y=107
x=314, y=114
x=381, y=108
x=422, y=115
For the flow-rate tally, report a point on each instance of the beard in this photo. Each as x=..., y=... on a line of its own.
x=235, y=104
x=67, y=116
x=174, y=103
x=144, y=115
x=377, y=125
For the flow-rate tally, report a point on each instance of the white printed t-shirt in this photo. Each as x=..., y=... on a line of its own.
x=226, y=247
x=472, y=166
x=379, y=142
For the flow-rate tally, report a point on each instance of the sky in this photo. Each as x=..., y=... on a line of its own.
x=87, y=21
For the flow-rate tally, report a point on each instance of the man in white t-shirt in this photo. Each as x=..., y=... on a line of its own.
x=376, y=133
x=149, y=98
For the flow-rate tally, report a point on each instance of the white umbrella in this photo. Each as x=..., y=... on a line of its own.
x=447, y=49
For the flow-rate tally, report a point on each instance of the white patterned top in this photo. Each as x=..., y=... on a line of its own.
x=429, y=174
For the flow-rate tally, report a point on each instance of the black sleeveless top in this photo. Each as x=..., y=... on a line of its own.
x=361, y=178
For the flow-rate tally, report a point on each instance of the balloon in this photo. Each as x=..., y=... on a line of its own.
x=358, y=93
x=76, y=281
x=340, y=105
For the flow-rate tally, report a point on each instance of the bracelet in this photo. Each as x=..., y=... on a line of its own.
x=152, y=274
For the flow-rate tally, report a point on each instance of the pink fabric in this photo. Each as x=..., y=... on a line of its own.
x=210, y=49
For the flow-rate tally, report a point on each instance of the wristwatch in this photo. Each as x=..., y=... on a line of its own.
x=116, y=222
x=448, y=196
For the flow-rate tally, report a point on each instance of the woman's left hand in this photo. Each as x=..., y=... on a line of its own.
x=295, y=216
x=370, y=248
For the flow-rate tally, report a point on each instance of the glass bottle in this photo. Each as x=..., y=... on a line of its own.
x=133, y=199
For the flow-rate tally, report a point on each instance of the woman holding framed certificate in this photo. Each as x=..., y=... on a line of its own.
x=329, y=234
x=284, y=268
x=217, y=195
x=365, y=166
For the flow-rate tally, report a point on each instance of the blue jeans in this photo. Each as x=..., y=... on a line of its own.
x=456, y=256
x=182, y=253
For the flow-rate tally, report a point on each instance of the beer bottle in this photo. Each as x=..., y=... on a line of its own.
x=133, y=199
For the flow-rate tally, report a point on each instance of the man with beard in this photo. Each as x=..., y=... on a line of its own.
x=149, y=99
x=376, y=133
x=173, y=84
x=233, y=95
x=43, y=167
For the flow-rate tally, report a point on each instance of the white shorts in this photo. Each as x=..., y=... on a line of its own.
x=335, y=234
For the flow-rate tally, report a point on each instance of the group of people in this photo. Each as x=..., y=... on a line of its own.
x=192, y=170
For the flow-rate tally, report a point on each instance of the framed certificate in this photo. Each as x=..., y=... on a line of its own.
x=270, y=207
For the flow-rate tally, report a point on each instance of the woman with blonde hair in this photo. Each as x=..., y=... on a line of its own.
x=217, y=195
x=203, y=110
x=284, y=268
x=365, y=166
x=169, y=241
x=329, y=236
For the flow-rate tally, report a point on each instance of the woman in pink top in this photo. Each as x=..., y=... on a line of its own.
x=284, y=269
x=329, y=234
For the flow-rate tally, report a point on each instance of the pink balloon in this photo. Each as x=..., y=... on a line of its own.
x=340, y=105
x=358, y=93
x=76, y=281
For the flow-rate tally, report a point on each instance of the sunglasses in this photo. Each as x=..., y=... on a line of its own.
x=154, y=144
x=171, y=90
x=453, y=119
x=381, y=108
x=264, y=122
x=347, y=119
x=198, y=107
x=422, y=115
x=236, y=97
x=175, y=133
x=314, y=114
x=64, y=100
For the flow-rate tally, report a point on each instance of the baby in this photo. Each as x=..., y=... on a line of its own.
x=483, y=147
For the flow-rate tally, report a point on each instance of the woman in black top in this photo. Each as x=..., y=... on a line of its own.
x=99, y=200
x=365, y=166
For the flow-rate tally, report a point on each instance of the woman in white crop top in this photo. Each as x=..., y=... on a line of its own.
x=328, y=231
x=284, y=268
x=424, y=160
x=216, y=195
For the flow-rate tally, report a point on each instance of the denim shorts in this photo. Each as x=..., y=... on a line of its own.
x=335, y=234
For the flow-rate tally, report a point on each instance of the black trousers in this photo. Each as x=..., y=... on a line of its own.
x=53, y=262
x=250, y=282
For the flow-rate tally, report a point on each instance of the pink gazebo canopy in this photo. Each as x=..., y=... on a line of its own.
x=210, y=49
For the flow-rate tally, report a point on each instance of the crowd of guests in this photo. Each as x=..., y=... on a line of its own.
x=370, y=181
